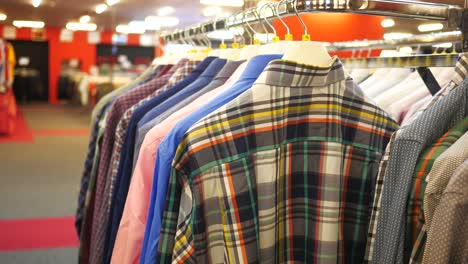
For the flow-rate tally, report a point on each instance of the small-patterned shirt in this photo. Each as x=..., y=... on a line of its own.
x=415, y=236
x=446, y=240
x=460, y=72
x=407, y=147
x=282, y=173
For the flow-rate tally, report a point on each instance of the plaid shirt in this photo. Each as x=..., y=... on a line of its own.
x=282, y=173
x=184, y=68
x=98, y=112
x=117, y=110
x=416, y=236
x=460, y=72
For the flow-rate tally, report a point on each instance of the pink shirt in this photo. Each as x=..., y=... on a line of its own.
x=129, y=240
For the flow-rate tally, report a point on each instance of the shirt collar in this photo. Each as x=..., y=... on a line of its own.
x=213, y=68
x=204, y=64
x=228, y=69
x=256, y=65
x=174, y=68
x=293, y=74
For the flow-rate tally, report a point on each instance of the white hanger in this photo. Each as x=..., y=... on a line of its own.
x=306, y=51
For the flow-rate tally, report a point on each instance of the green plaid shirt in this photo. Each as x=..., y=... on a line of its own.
x=282, y=173
x=460, y=72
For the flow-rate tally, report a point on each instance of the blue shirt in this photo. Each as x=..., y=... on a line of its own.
x=162, y=102
x=168, y=146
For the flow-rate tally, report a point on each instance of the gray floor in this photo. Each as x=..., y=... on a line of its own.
x=41, y=179
x=65, y=255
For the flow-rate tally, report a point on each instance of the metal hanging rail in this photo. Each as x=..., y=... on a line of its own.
x=414, y=61
x=453, y=37
x=455, y=16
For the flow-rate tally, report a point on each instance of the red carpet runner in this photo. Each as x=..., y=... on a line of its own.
x=39, y=233
x=22, y=132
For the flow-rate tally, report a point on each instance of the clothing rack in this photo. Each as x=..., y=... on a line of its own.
x=455, y=16
x=413, y=61
x=453, y=37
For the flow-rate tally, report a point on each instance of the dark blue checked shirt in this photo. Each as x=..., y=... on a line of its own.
x=90, y=156
x=200, y=76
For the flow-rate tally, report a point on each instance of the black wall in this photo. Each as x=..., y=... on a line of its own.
x=38, y=53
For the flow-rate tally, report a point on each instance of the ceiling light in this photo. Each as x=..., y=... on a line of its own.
x=443, y=45
x=139, y=26
x=236, y=3
x=75, y=26
x=225, y=14
x=36, y=3
x=396, y=35
x=211, y=11
x=101, y=8
x=28, y=24
x=112, y=2
x=165, y=11
x=126, y=29
x=430, y=27
x=166, y=21
x=3, y=17
x=85, y=19
x=386, y=23
x=221, y=34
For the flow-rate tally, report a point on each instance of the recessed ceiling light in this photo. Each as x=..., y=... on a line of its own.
x=29, y=24
x=396, y=35
x=430, y=27
x=3, y=17
x=85, y=19
x=139, y=24
x=75, y=26
x=36, y=3
x=126, y=29
x=386, y=23
x=236, y=3
x=211, y=11
x=165, y=11
x=225, y=14
x=112, y=2
x=101, y=8
x=166, y=21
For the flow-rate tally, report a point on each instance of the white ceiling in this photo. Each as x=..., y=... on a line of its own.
x=59, y=12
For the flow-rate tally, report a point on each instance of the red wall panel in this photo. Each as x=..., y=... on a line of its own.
x=79, y=49
x=334, y=27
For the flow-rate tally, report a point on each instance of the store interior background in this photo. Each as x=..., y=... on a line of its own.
x=42, y=161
